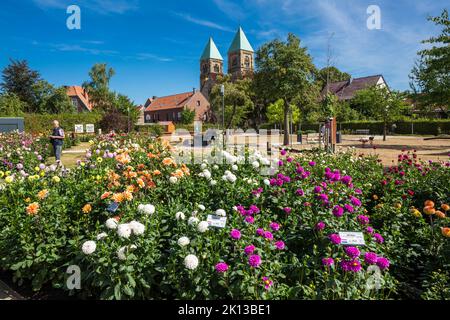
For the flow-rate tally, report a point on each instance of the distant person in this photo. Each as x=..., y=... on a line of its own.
x=57, y=140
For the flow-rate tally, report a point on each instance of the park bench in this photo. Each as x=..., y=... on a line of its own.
x=312, y=138
x=365, y=139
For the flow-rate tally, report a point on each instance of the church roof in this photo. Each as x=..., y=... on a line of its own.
x=240, y=42
x=211, y=51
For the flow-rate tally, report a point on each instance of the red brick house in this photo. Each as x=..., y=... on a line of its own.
x=79, y=98
x=169, y=108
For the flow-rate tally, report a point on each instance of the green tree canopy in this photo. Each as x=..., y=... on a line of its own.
x=98, y=87
x=332, y=74
x=11, y=105
x=284, y=71
x=21, y=80
x=187, y=116
x=238, y=101
x=430, y=77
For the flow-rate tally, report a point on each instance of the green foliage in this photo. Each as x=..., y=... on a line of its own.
x=20, y=79
x=430, y=77
x=40, y=123
x=11, y=105
x=238, y=101
x=275, y=113
x=98, y=87
x=284, y=71
x=187, y=116
x=331, y=74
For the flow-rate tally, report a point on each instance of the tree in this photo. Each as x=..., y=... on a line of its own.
x=379, y=104
x=238, y=102
x=187, y=116
x=284, y=71
x=430, y=77
x=11, y=105
x=20, y=79
x=58, y=102
x=275, y=113
x=332, y=74
x=98, y=87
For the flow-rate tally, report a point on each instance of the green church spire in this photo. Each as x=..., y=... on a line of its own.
x=211, y=51
x=240, y=42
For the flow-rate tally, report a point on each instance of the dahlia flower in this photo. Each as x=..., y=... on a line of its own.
x=383, y=263
x=180, y=216
x=146, y=209
x=254, y=261
x=249, y=249
x=221, y=267
x=335, y=238
x=202, y=227
x=111, y=223
x=89, y=247
x=327, y=262
x=193, y=221
x=124, y=230
x=235, y=234
x=137, y=228
x=352, y=252
x=267, y=283
x=191, y=262
x=370, y=258
x=183, y=241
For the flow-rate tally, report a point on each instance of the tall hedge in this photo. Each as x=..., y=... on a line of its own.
x=423, y=127
x=37, y=123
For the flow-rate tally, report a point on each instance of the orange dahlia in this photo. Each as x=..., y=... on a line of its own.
x=429, y=210
x=87, y=208
x=105, y=195
x=445, y=207
x=33, y=208
x=42, y=194
x=446, y=232
x=429, y=203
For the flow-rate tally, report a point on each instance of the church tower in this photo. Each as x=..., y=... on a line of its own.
x=211, y=66
x=240, y=57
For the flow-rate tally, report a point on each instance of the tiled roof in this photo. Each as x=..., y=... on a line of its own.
x=77, y=91
x=170, y=102
x=346, y=90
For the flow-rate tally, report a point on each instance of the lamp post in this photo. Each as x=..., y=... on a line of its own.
x=222, y=92
x=128, y=110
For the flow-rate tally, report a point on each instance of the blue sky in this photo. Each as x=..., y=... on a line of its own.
x=154, y=46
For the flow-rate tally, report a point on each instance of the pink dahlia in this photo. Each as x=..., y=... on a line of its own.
x=254, y=261
x=221, y=267
x=235, y=234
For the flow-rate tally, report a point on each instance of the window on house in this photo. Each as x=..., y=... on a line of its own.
x=216, y=68
x=179, y=116
x=198, y=103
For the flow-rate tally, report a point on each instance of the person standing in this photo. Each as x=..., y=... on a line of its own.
x=57, y=140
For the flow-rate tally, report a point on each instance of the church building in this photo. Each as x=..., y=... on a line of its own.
x=240, y=62
x=240, y=65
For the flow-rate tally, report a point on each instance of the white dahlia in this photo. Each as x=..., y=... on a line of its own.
x=180, y=216
x=137, y=228
x=184, y=241
x=89, y=247
x=193, y=221
x=111, y=223
x=102, y=236
x=221, y=213
x=191, y=262
x=202, y=227
x=124, y=230
x=148, y=209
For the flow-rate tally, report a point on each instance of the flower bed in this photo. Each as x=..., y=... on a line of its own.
x=135, y=223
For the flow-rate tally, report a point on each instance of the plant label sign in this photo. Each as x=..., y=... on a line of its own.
x=352, y=238
x=113, y=206
x=216, y=221
x=79, y=128
x=90, y=128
